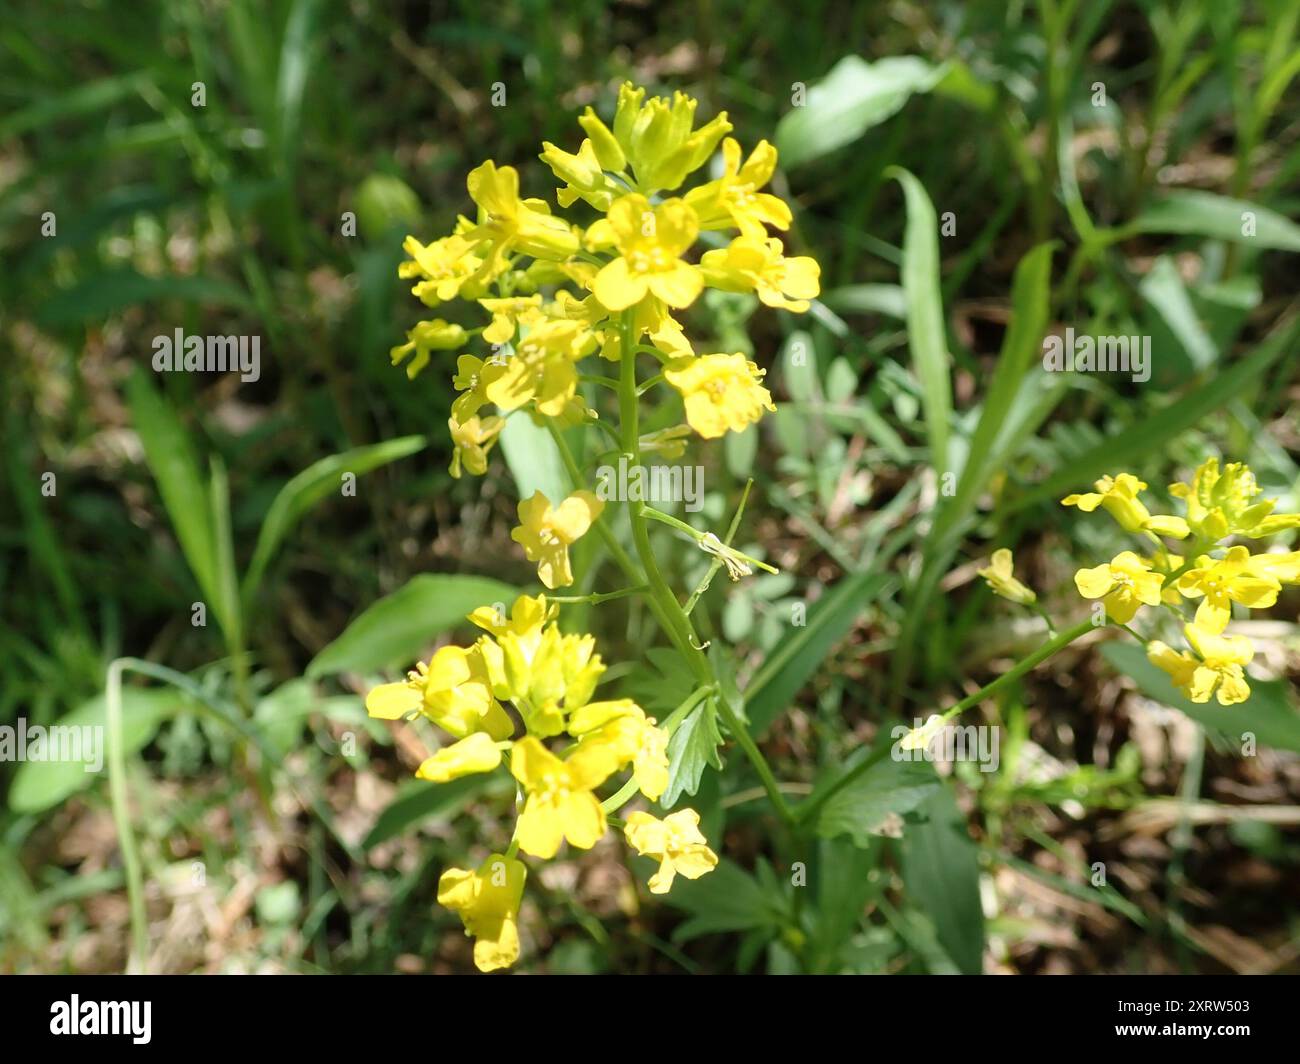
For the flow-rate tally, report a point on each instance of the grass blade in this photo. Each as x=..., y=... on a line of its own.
x=925, y=313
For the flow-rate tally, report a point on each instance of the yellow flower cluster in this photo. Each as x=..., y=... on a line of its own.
x=557, y=293
x=1220, y=504
x=549, y=677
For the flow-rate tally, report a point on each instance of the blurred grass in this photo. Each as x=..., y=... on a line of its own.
x=230, y=218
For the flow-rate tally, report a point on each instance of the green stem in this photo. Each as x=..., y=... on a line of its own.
x=122, y=820
x=688, y=644
x=700, y=537
x=808, y=810
x=600, y=596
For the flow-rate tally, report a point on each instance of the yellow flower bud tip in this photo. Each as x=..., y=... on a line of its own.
x=922, y=735
x=1219, y=503
x=1000, y=579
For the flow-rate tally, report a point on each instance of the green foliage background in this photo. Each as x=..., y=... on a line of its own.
x=1118, y=213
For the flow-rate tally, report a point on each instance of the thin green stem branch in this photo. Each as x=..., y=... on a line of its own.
x=138, y=958
x=807, y=811
x=687, y=642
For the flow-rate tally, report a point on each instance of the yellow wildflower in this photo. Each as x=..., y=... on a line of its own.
x=550, y=679
x=487, y=902
x=720, y=392
x=1221, y=670
x=546, y=532
x=1219, y=503
x=541, y=369
x=1118, y=495
x=426, y=336
x=1126, y=583
x=473, y=754
x=654, y=137
x=582, y=175
x=470, y=380
x=1221, y=583
x=453, y=690
x=1000, y=578
x=734, y=199
x=650, y=242
x=507, y=314
x=1178, y=664
x=1282, y=566
x=675, y=842
x=508, y=224
x=759, y=265
x=621, y=730
x=443, y=269
x=528, y=615
x=560, y=802
x=472, y=440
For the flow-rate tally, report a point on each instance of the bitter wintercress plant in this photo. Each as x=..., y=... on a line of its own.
x=554, y=294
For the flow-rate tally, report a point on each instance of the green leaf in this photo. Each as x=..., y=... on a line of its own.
x=844, y=884
x=97, y=297
x=419, y=801
x=887, y=299
x=1029, y=299
x=1030, y=291
x=395, y=629
x=727, y=899
x=83, y=100
x=925, y=331
x=226, y=606
x=861, y=808
x=533, y=459
x=298, y=56
x=799, y=655
x=740, y=449
x=852, y=98
x=1155, y=429
x=176, y=470
x=941, y=876
x=1163, y=288
x=693, y=746
x=1196, y=213
x=39, y=785
x=1269, y=714
x=311, y=486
